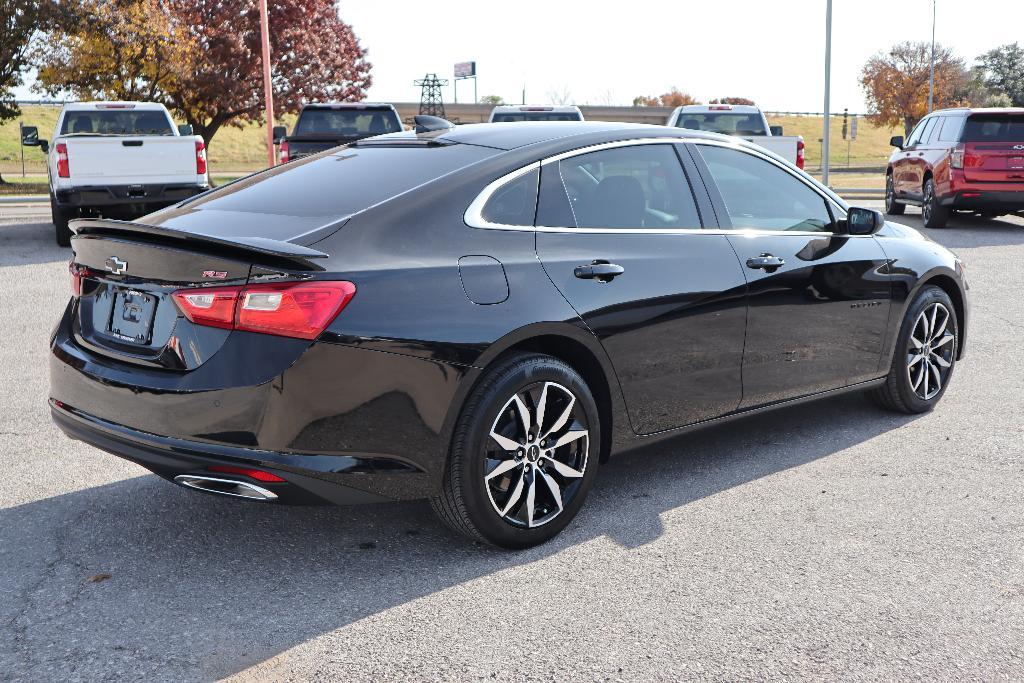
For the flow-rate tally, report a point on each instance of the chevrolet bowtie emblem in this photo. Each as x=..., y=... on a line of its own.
x=116, y=265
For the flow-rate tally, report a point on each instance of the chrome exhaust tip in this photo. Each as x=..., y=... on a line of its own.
x=225, y=487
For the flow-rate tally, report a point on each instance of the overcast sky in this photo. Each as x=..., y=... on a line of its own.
x=608, y=52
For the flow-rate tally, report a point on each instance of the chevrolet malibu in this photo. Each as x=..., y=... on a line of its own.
x=482, y=316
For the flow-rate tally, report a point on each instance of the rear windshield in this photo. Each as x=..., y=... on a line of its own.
x=537, y=116
x=116, y=122
x=994, y=128
x=347, y=122
x=340, y=182
x=727, y=124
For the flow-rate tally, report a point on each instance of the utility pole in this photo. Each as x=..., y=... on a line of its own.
x=828, y=85
x=931, y=73
x=268, y=92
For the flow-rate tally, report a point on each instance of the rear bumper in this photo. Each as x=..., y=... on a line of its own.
x=126, y=195
x=171, y=458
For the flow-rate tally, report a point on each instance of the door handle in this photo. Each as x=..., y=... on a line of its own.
x=599, y=270
x=767, y=262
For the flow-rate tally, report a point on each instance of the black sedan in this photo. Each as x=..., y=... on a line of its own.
x=482, y=316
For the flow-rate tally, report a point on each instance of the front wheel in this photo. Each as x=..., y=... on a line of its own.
x=925, y=355
x=524, y=454
x=892, y=207
x=933, y=214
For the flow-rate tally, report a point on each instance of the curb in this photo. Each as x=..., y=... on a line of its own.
x=24, y=199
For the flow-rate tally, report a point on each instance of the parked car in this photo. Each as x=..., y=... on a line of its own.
x=118, y=159
x=483, y=315
x=959, y=160
x=739, y=120
x=515, y=113
x=322, y=126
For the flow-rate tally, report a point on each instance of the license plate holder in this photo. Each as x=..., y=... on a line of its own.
x=131, y=316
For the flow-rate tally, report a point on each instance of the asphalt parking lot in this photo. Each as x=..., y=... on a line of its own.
x=828, y=540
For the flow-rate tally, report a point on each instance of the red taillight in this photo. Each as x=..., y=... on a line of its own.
x=259, y=475
x=800, y=153
x=78, y=274
x=284, y=151
x=63, y=167
x=289, y=309
x=200, y=157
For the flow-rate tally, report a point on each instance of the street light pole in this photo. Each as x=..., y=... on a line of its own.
x=828, y=86
x=268, y=92
x=931, y=73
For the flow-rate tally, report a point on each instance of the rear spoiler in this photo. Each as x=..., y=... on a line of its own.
x=275, y=250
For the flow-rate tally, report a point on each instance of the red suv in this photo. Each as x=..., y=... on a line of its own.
x=959, y=160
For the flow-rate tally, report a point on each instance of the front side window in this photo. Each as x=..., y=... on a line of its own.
x=915, y=135
x=762, y=196
x=640, y=186
x=515, y=202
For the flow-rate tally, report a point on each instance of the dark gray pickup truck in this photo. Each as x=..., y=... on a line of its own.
x=322, y=126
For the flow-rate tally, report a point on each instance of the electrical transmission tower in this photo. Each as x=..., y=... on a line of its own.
x=430, y=95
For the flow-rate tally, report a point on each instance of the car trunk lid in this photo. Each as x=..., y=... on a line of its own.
x=129, y=271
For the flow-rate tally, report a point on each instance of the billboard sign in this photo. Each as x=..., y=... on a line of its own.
x=465, y=69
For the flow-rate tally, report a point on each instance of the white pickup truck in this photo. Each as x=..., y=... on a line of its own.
x=741, y=120
x=118, y=160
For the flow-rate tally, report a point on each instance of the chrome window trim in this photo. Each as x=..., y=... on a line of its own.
x=473, y=216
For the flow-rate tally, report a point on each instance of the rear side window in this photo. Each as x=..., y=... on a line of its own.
x=994, y=128
x=515, y=202
x=951, y=127
x=760, y=195
x=347, y=122
x=116, y=122
x=341, y=182
x=640, y=186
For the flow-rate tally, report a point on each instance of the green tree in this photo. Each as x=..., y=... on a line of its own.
x=492, y=99
x=19, y=21
x=1003, y=69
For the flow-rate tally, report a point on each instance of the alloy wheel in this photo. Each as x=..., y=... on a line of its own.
x=930, y=351
x=536, y=455
x=926, y=205
x=890, y=194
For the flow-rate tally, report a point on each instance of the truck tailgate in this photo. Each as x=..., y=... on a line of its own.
x=126, y=160
x=783, y=145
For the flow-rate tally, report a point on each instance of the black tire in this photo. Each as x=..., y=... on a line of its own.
x=902, y=389
x=932, y=213
x=469, y=503
x=892, y=207
x=60, y=218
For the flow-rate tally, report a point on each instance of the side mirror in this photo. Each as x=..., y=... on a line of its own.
x=30, y=136
x=863, y=221
x=185, y=130
x=280, y=133
x=896, y=141
x=775, y=130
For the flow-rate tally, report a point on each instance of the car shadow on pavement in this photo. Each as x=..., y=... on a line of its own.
x=146, y=577
x=24, y=244
x=967, y=231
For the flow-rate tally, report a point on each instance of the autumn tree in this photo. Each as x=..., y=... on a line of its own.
x=1003, y=72
x=315, y=57
x=732, y=100
x=113, y=50
x=895, y=83
x=673, y=98
x=202, y=58
x=19, y=20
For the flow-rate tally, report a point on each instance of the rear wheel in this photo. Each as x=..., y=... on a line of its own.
x=933, y=215
x=524, y=454
x=892, y=207
x=60, y=218
x=925, y=355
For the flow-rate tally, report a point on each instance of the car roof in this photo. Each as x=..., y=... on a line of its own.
x=118, y=104
x=508, y=136
x=348, y=105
